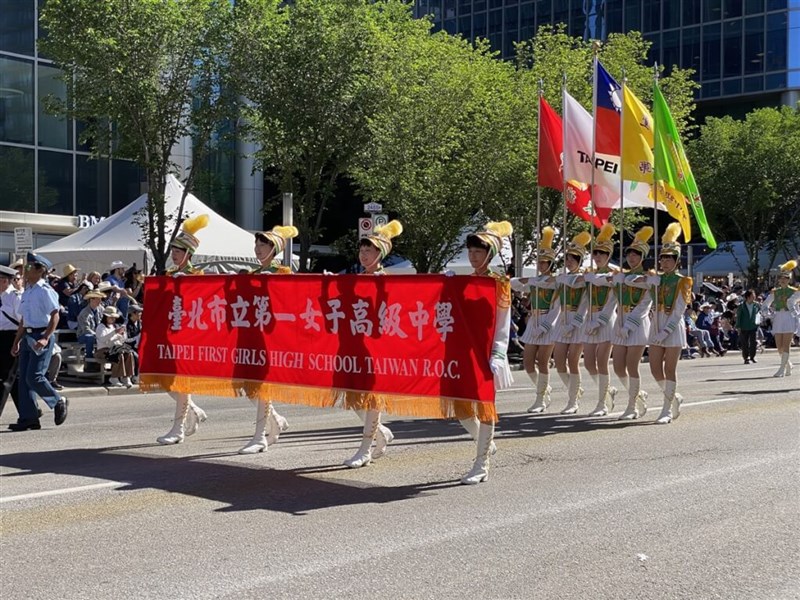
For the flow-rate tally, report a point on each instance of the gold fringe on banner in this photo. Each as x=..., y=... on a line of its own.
x=428, y=407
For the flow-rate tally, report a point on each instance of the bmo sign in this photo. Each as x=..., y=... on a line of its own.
x=85, y=221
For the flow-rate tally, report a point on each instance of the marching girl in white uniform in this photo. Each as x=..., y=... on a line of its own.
x=668, y=337
x=573, y=299
x=632, y=330
x=783, y=305
x=598, y=330
x=268, y=244
x=545, y=309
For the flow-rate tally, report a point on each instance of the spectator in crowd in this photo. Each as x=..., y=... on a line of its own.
x=111, y=346
x=33, y=344
x=133, y=336
x=88, y=320
x=10, y=299
x=705, y=320
x=77, y=303
x=748, y=318
x=67, y=285
x=134, y=284
x=701, y=336
x=116, y=274
x=94, y=278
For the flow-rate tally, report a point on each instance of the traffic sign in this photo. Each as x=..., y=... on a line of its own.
x=364, y=227
x=373, y=207
x=378, y=220
x=23, y=239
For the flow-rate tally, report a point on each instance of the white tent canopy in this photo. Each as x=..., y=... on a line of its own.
x=731, y=257
x=223, y=244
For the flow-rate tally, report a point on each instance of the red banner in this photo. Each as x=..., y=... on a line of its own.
x=307, y=338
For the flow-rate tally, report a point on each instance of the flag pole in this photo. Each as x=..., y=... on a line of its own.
x=655, y=213
x=620, y=307
x=592, y=266
x=535, y=310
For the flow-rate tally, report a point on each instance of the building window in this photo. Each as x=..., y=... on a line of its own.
x=733, y=9
x=691, y=49
x=670, y=50
x=55, y=169
x=651, y=15
x=613, y=16
x=91, y=186
x=691, y=12
x=672, y=14
x=633, y=16
x=711, y=52
x=55, y=132
x=776, y=4
x=125, y=187
x=776, y=41
x=527, y=21
x=775, y=81
x=544, y=13
x=733, y=49
x=465, y=26
x=712, y=10
x=732, y=87
x=711, y=89
x=479, y=25
x=17, y=26
x=17, y=169
x=752, y=7
x=753, y=84
x=754, y=45
x=16, y=100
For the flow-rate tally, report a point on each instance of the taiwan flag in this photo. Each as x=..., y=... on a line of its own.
x=607, y=112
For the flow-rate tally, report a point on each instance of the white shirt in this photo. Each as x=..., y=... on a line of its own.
x=10, y=300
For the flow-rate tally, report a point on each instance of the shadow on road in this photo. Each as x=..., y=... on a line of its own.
x=240, y=488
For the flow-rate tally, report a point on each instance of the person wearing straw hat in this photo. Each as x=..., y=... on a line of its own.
x=632, y=329
x=673, y=293
x=598, y=330
x=67, y=285
x=33, y=343
x=544, y=312
x=783, y=305
x=188, y=415
x=111, y=346
x=574, y=301
x=476, y=417
x=268, y=244
x=372, y=249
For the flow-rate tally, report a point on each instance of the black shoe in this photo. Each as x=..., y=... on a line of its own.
x=57, y=386
x=61, y=410
x=747, y=361
x=23, y=425
x=753, y=360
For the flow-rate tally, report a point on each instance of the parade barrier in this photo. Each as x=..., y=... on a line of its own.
x=416, y=342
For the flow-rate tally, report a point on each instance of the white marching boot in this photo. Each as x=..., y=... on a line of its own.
x=363, y=456
x=277, y=424
x=480, y=468
x=543, y=390
x=607, y=394
x=782, y=370
x=789, y=365
x=472, y=425
x=637, y=401
x=194, y=417
x=672, y=404
x=575, y=393
x=383, y=438
x=259, y=441
x=176, y=434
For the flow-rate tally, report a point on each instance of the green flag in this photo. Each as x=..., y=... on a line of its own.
x=671, y=165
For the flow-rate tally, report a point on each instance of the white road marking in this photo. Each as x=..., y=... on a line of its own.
x=72, y=490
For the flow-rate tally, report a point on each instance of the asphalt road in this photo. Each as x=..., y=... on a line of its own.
x=576, y=507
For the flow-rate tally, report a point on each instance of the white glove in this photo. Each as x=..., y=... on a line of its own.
x=653, y=280
x=659, y=338
x=539, y=331
x=624, y=332
x=618, y=278
x=501, y=372
x=326, y=272
x=449, y=273
x=592, y=327
x=569, y=330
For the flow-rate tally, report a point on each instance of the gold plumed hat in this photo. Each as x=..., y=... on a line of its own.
x=669, y=241
x=577, y=247
x=787, y=268
x=640, y=240
x=186, y=238
x=278, y=235
x=493, y=234
x=545, y=250
x=603, y=241
x=381, y=236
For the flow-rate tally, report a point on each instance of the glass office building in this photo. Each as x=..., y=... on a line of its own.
x=746, y=53
x=47, y=179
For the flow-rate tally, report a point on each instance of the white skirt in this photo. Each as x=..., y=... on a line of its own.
x=528, y=339
x=638, y=337
x=676, y=339
x=784, y=321
x=604, y=333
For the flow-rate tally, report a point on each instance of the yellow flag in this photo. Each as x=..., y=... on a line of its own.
x=677, y=206
x=637, y=139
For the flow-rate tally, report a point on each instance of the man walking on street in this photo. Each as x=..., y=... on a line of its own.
x=39, y=311
x=9, y=321
x=748, y=318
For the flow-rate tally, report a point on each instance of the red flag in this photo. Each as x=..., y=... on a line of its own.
x=551, y=148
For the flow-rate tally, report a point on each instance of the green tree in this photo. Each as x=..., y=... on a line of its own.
x=310, y=71
x=749, y=174
x=143, y=74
